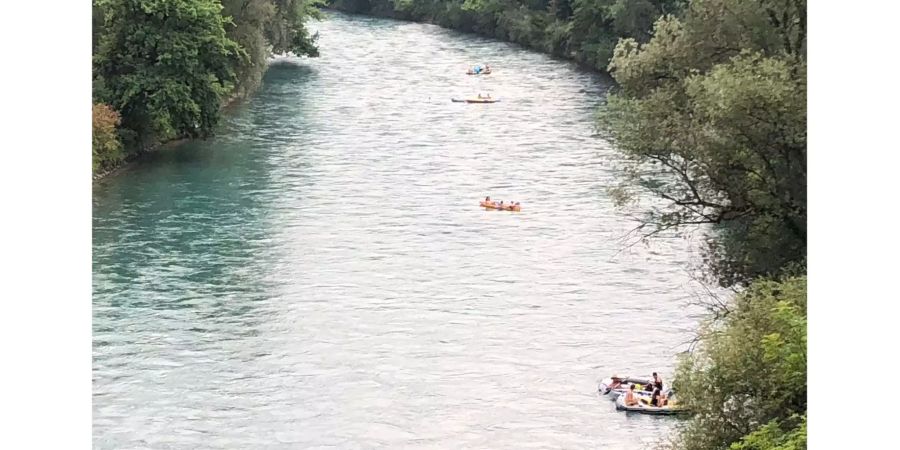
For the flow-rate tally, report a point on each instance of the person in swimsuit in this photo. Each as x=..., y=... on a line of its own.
x=654, y=398
x=629, y=397
x=657, y=381
x=616, y=382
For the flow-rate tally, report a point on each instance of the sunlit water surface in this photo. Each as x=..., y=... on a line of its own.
x=320, y=275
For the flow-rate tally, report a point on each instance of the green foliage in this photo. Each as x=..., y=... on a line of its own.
x=106, y=145
x=166, y=65
x=263, y=26
x=711, y=118
x=749, y=369
x=288, y=32
x=773, y=436
x=711, y=115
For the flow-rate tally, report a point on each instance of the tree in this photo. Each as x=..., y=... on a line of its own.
x=166, y=65
x=598, y=24
x=263, y=26
x=776, y=435
x=288, y=32
x=711, y=116
x=561, y=9
x=106, y=146
x=747, y=377
x=249, y=19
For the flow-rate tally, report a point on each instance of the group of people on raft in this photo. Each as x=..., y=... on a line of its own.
x=511, y=206
x=658, y=398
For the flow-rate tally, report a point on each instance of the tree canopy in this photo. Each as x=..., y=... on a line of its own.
x=711, y=115
x=747, y=378
x=168, y=66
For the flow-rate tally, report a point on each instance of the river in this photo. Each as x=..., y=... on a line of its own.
x=319, y=274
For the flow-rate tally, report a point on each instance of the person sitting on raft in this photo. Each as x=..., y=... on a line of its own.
x=616, y=382
x=655, y=398
x=629, y=397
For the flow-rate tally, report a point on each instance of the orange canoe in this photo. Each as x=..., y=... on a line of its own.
x=497, y=206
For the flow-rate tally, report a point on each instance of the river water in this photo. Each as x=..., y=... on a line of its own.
x=319, y=275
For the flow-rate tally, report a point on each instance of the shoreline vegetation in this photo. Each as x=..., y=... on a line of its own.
x=583, y=31
x=163, y=70
x=708, y=111
x=710, y=116
x=154, y=110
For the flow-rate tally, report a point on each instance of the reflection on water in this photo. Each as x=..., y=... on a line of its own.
x=319, y=274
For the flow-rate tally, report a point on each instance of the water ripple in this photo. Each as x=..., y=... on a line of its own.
x=319, y=274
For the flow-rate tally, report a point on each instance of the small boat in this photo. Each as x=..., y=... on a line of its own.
x=617, y=385
x=492, y=205
x=475, y=100
x=479, y=70
x=642, y=407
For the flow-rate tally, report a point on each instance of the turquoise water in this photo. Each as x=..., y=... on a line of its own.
x=320, y=275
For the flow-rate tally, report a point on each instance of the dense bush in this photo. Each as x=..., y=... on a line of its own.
x=710, y=114
x=748, y=375
x=717, y=129
x=106, y=145
x=168, y=66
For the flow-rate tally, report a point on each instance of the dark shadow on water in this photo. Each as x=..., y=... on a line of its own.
x=190, y=227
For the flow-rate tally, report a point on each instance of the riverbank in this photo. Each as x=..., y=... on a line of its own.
x=133, y=155
x=587, y=36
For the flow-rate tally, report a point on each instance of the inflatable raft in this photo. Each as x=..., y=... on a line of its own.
x=497, y=207
x=475, y=100
x=670, y=409
x=483, y=72
x=616, y=385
